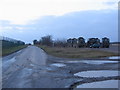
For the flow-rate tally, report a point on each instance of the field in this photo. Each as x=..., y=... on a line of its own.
x=78, y=52
x=7, y=51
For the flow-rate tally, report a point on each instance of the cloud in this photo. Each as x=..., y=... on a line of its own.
x=20, y=28
x=92, y=23
x=23, y=11
x=110, y=3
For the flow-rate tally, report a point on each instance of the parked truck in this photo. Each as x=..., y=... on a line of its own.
x=74, y=43
x=81, y=42
x=105, y=42
x=69, y=42
x=93, y=43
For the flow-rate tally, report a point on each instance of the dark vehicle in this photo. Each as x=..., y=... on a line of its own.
x=95, y=46
x=74, y=42
x=105, y=42
x=81, y=42
x=93, y=43
x=69, y=42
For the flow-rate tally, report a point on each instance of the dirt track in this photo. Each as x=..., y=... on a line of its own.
x=32, y=68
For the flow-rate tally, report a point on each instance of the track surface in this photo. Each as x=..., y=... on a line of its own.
x=33, y=68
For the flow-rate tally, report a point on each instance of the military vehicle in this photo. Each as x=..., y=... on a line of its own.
x=69, y=42
x=93, y=43
x=74, y=42
x=105, y=42
x=81, y=42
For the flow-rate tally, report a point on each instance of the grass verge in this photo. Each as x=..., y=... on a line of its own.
x=7, y=51
x=77, y=52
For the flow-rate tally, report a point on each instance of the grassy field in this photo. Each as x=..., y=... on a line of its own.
x=76, y=52
x=7, y=51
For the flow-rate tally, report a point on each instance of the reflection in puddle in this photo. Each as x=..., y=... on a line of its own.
x=6, y=64
x=101, y=84
x=97, y=73
x=19, y=51
x=9, y=61
x=32, y=65
x=99, y=62
x=92, y=61
x=26, y=72
x=114, y=57
x=58, y=65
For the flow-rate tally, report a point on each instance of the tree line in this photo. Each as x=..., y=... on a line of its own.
x=8, y=42
x=73, y=42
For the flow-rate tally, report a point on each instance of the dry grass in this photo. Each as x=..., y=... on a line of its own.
x=7, y=51
x=76, y=52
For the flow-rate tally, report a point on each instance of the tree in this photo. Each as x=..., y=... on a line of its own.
x=35, y=41
x=47, y=40
x=60, y=43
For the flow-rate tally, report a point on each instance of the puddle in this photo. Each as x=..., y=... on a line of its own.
x=101, y=84
x=7, y=63
x=97, y=73
x=19, y=51
x=98, y=62
x=32, y=65
x=114, y=57
x=10, y=61
x=58, y=65
x=26, y=72
x=92, y=61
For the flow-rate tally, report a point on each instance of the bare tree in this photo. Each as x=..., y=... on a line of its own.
x=47, y=40
x=60, y=43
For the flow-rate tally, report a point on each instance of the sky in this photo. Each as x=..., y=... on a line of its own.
x=27, y=20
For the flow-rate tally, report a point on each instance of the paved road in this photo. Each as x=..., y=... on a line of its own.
x=33, y=68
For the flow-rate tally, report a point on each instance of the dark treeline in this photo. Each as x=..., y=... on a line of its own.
x=48, y=41
x=74, y=42
x=8, y=42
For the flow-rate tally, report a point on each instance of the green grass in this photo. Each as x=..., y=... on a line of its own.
x=7, y=51
x=76, y=52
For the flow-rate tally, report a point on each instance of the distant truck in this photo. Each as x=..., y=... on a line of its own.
x=74, y=42
x=93, y=43
x=69, y=42
x=105, y=42
x=81, y=42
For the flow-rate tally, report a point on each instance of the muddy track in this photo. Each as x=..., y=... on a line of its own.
x=33, y=68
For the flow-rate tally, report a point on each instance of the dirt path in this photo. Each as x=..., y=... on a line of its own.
x=28, y=68
x=20, y=67
x=32, y=68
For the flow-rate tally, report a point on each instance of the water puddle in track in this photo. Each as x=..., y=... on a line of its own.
x=26, y=72
x=58, y=65
x=97, y=73
x=19, y=51
x=101, y=84
x=92, y=61
x=7, y=63
x=114, y=57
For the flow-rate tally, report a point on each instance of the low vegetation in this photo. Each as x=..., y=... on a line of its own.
x=8, y=45
x=7, y=51
x=76, y=52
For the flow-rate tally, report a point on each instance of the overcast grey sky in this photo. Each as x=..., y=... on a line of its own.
x=31, y=19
